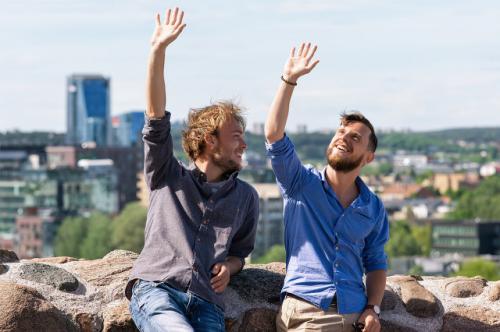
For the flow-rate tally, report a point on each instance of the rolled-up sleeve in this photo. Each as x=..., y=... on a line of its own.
x=286, y=165
x=374, y=257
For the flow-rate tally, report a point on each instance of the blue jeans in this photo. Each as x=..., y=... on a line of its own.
x=160, y=307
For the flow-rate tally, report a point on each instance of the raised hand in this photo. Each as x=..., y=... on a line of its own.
x=300, y=64
x=169, y=30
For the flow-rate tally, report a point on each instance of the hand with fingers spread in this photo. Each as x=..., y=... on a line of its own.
x=300, y=64
x=221, y=276
x=168, y=31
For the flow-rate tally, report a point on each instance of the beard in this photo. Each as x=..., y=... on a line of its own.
x=227, y=165
x=340, y=164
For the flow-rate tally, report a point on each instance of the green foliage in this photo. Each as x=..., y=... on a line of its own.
x=482, y=202
x=401, y=241
x=128, y=228
x=423, y=236
x=95, y=236
x=416, y=270
x=424, y=176
x=479, y=267
x=97, y=241
x=69, y=236
x=275, y=254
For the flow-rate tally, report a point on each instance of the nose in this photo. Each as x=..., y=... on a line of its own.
x=243, y=144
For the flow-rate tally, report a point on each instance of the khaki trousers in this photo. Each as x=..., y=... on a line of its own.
x=299, y=315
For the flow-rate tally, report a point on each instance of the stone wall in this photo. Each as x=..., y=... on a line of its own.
x=66, y=294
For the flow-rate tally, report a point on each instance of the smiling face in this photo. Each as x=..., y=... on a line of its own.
x=229, y=146
x=349, y=148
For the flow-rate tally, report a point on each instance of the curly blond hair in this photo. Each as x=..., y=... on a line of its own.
x=208, y=120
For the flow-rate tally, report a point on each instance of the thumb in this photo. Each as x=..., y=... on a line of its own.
x=216, y=268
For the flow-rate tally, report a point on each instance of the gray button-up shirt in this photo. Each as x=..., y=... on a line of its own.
x=190, y=227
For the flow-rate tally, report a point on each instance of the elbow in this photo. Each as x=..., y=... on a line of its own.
x=272, y=135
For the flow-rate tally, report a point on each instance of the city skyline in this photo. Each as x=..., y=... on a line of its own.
x=422, y=66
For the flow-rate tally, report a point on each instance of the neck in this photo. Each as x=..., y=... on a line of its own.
x=213, y=172
x=343, y=184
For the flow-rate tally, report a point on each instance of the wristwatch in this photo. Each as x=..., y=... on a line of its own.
x=374, y=307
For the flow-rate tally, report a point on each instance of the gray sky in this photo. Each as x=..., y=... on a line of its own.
x=405, y=64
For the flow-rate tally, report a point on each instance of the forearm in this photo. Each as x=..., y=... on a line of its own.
x=155, y=83
x=234, y=264
x=278, y=113
x=375, y=286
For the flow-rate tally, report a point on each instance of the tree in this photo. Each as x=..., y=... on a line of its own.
x=128, y=228
x=423, y=236
x=479, y=267
x=97, y=242
x=69, y=236
x=275, y=254
x=401, y=241
x=482, y=202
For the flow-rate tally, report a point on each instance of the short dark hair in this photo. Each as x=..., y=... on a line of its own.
x=354, y=116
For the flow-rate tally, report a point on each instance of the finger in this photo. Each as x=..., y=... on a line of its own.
x=301, y=48
x=311, y=66
x=216, y=268
x=217, y=284
x=215, y=279
x=308, y=46
x=309, y=58
x=179, y=21
x=292, y=52
x=174, y=19
x=158, y=21
x=167, y=16
x=179, y=29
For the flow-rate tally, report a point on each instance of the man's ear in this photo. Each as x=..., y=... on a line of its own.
x=210, y=141
x=370, y=157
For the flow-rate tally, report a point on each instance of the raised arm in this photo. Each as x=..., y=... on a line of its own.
x=295, y=67
x=165, y=33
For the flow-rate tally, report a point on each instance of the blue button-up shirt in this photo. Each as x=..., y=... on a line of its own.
x=328, y=248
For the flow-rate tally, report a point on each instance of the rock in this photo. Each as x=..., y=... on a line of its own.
x=418, y=301
x=102, y=272
x=465, y=287
x=259, y=319
x=24, y=309
x=389, y=300
x=260, y=283
x=88, y=322
x=7, y=256
x=387, y=326
x=54, y=260
x=472, y=318
x=3, y=268
x=494, y=294
x=49, y=275
x=117, y=318
x=119, y=253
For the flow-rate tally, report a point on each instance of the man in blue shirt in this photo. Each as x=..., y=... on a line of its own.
x=335, y=227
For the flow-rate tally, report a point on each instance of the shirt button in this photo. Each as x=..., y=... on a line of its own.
x=205, y=222
x=336, y=247
x=336, y=264
x=195, y=268
x=198, y=239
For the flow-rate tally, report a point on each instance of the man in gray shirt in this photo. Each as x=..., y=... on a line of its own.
x=201, y=220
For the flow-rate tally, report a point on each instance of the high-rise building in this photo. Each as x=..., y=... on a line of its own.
x=88, y=110
x=127, y=128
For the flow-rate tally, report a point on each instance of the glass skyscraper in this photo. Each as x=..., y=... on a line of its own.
x=88, y=110
x=127, y=128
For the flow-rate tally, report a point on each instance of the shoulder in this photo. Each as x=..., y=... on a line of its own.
x=247, y=190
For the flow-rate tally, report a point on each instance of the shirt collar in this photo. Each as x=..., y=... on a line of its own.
x=202, y=177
